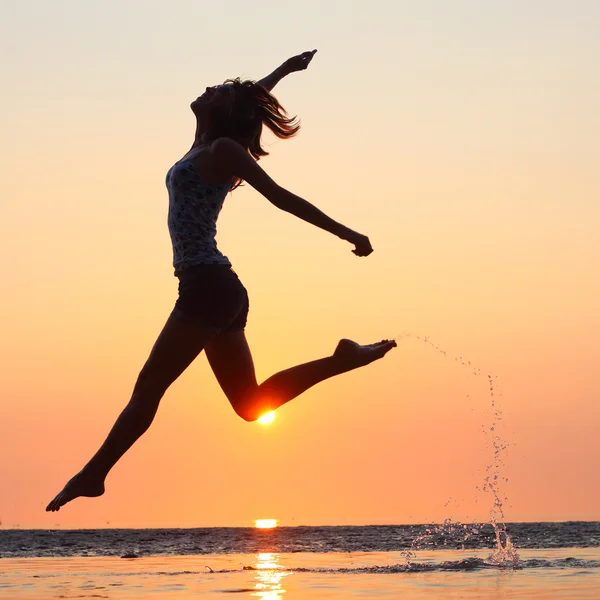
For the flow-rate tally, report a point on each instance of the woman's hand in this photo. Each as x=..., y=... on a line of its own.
x=299, y=62
x=362, y=245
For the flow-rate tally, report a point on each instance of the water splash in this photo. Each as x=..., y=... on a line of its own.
x=505, y=554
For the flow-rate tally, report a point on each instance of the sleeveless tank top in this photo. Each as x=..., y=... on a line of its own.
x=194, y=206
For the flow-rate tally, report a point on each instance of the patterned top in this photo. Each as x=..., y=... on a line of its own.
x=194, y=206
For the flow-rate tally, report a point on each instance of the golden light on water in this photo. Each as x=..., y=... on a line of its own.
x=267, y=418
x=265, y=523
x=269, y=576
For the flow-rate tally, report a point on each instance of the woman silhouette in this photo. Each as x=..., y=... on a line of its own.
x=211, y=310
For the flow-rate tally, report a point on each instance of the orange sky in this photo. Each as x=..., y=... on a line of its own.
x=464, y=142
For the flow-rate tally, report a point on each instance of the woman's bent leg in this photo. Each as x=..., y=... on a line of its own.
x=231, y=361
x=178, y=344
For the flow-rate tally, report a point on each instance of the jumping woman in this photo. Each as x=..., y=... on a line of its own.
x=211, y=309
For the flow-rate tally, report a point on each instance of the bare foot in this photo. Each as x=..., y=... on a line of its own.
x=80, y=485
x=353, y=355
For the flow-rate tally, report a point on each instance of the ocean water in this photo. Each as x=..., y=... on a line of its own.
x=45, y=543
x=545, y=560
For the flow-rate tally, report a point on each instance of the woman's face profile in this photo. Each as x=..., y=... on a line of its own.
x=219, y=97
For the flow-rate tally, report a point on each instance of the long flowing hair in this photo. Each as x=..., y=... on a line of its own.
x=253, y=107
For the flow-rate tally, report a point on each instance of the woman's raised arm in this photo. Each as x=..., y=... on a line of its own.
x=291, y=65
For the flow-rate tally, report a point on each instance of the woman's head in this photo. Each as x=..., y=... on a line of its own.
x=238, y=110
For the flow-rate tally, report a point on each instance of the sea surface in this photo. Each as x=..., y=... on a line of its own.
x=451, y=560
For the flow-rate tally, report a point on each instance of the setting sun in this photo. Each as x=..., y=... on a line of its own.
x=267, y=418
x=265, y=523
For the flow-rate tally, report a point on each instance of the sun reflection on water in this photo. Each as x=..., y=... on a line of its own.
x=269, y=575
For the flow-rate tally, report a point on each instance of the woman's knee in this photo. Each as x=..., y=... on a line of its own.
x=239, y=403
x=241, y=408
x=244, y=413
x=251, y=406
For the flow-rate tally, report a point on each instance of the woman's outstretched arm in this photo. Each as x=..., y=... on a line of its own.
x=239, y=163
x=291, y=65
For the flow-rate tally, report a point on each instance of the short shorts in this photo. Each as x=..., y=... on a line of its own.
x=212, y=296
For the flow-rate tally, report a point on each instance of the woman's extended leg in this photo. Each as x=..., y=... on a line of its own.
x=231, y=361
x=178, y=344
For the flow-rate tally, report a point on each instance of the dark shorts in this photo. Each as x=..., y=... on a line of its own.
x=213, y=297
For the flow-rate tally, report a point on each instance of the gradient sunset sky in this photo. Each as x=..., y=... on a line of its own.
x=462, y=137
